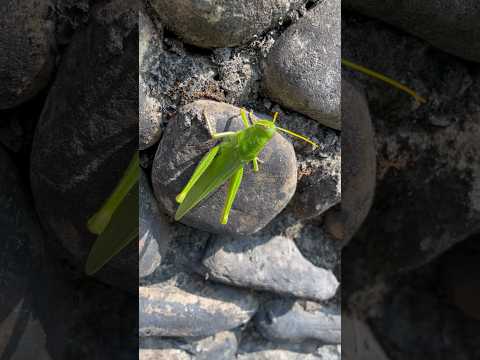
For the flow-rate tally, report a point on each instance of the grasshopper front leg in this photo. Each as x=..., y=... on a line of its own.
x=235, y=182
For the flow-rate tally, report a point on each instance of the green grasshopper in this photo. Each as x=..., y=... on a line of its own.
x=226, y=161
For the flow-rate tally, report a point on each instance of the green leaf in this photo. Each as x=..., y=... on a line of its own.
x=120, y=231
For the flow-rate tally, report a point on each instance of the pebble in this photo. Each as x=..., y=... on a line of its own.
x=154, y=231
x=261, y=196
x=150, y=114
x=302, y=71
x=287, y=320
x=221, y=23
x=87, y=135
x=27, y=58
x=450, y=26
x=193, y=307
x=271, y=264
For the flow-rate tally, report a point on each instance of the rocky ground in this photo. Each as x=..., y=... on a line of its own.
x=264, y=286
x=408, y=288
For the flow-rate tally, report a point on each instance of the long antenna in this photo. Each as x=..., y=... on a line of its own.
x=384, y=78
x=315, y=145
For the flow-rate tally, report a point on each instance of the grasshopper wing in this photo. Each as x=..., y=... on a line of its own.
x=220, y=170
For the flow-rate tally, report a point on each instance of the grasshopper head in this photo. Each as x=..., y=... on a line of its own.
x=271, y=127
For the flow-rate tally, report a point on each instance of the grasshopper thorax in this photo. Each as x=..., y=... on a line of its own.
x=252, y=140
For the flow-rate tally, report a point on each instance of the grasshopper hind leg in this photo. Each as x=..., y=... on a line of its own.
x=235, y=182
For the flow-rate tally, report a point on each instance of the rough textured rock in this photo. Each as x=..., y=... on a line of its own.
x=450, y=26
x=358, y=164
x=88, y=132
x=222, y=345
x=287, y=320
x=224, y=23
x=254, y=347
x=154, y=231
x=273, y=264
x=261, y=195
x=22, y=335
x=27, y=43
x=302, y=71
x=150, y=114
x=193, y=308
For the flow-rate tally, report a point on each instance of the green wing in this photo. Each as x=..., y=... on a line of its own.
x=120, y=231
x=220, y=170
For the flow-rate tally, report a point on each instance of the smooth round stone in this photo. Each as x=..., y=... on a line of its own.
x=302, y=71
x=221, y=23
x=27, y=55
x=87, y=134
x=453, y=27
x=261, y=195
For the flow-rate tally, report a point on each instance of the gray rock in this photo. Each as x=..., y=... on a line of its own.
x=88, y=133
x=224, y=23
x=358, y=164
x=452, y=27
x=273, y=264
x=286, y=320
x=163, y=354
x=154, y=232
x=302, y=71
x=222, y=345
x=192, y=307
x=150, y=114
x=254, y=347
x=261, y=195
x=27, y=43
x=22, y=334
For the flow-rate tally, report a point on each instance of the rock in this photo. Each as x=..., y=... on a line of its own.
x=163, y=354
x=150, y=114
x=28, y=46
x=261, y=195
x=358, y=163
x=254, y=347
x=88, y=133
x=22, y=335
x=453, y=28
x=286, y=320
x=302, y=71
x=222, y=345
x=154, y=231
x=224, y=23
x=272, y=264
x=193, y=308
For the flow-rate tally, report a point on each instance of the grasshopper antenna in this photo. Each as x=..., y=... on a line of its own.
x=315, y=145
